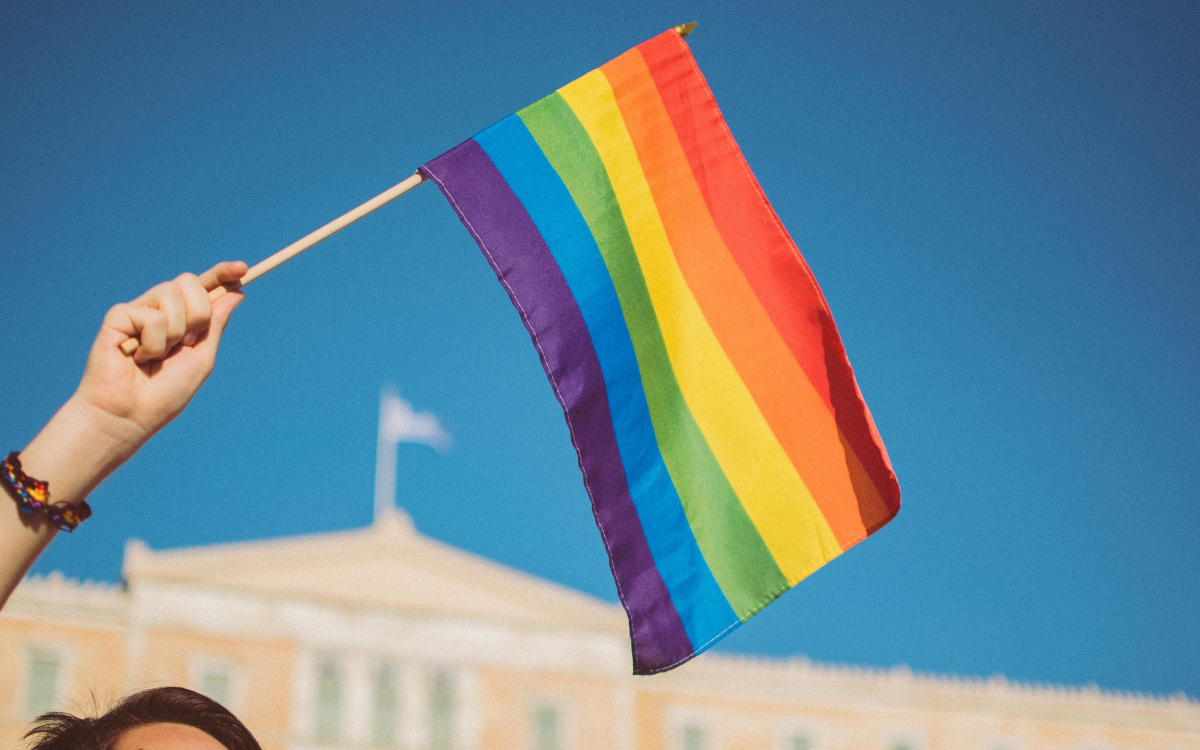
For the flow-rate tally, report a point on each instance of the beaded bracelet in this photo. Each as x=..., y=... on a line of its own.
x=33, y=496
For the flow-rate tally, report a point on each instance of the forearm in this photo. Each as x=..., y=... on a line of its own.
x=121, y=401
x=21, y=541
x=73, y=453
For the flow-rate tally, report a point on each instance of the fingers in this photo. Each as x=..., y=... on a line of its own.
x=151, y=326
x=183, y=313
x=196, y=305
x=176, y=312
x=223, y=273
x=221, y=310
x=168, y=299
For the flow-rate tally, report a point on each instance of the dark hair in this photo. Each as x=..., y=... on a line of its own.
x=172, y=705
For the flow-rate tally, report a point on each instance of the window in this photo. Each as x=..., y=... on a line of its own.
x=441, y=710
x=43, y=672
x=693, y=737
x=904, y=738
x=327, y=725
x=385, y=705
x=546, y=729
x=218, y=678
x=216, y=681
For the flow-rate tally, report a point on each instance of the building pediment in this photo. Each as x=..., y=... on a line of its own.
x=388, y=566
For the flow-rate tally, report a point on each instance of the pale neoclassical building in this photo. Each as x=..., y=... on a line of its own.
x=385, y=638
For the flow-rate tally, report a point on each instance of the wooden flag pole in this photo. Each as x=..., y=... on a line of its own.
x=129, y=346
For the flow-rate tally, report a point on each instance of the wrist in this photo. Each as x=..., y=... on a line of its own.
x=78, y=448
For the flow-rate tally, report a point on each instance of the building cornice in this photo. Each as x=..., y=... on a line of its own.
x=66, y=600
x=783, y=680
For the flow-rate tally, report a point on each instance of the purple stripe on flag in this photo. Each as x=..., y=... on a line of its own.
x=523, y=263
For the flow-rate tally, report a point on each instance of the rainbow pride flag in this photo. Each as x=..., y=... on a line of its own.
x=723, y=440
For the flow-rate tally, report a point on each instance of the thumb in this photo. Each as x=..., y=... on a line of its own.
x=221, y=310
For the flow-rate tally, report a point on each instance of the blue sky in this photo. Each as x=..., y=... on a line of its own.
x=1000, y=201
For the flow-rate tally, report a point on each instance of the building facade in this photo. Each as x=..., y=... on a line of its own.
x=385, y=638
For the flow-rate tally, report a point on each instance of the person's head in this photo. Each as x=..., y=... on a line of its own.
x=168, y=718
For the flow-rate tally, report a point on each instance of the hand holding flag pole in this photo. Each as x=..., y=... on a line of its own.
x=129, y=346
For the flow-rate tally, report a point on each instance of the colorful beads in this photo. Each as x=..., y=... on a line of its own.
x=33, y=496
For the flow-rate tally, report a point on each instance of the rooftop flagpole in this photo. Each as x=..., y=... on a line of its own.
x=385, y=459
x=129, y=346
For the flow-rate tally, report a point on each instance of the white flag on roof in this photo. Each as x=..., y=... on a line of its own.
x=399, y=423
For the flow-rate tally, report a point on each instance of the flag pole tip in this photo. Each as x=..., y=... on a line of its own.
x=686, y=28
